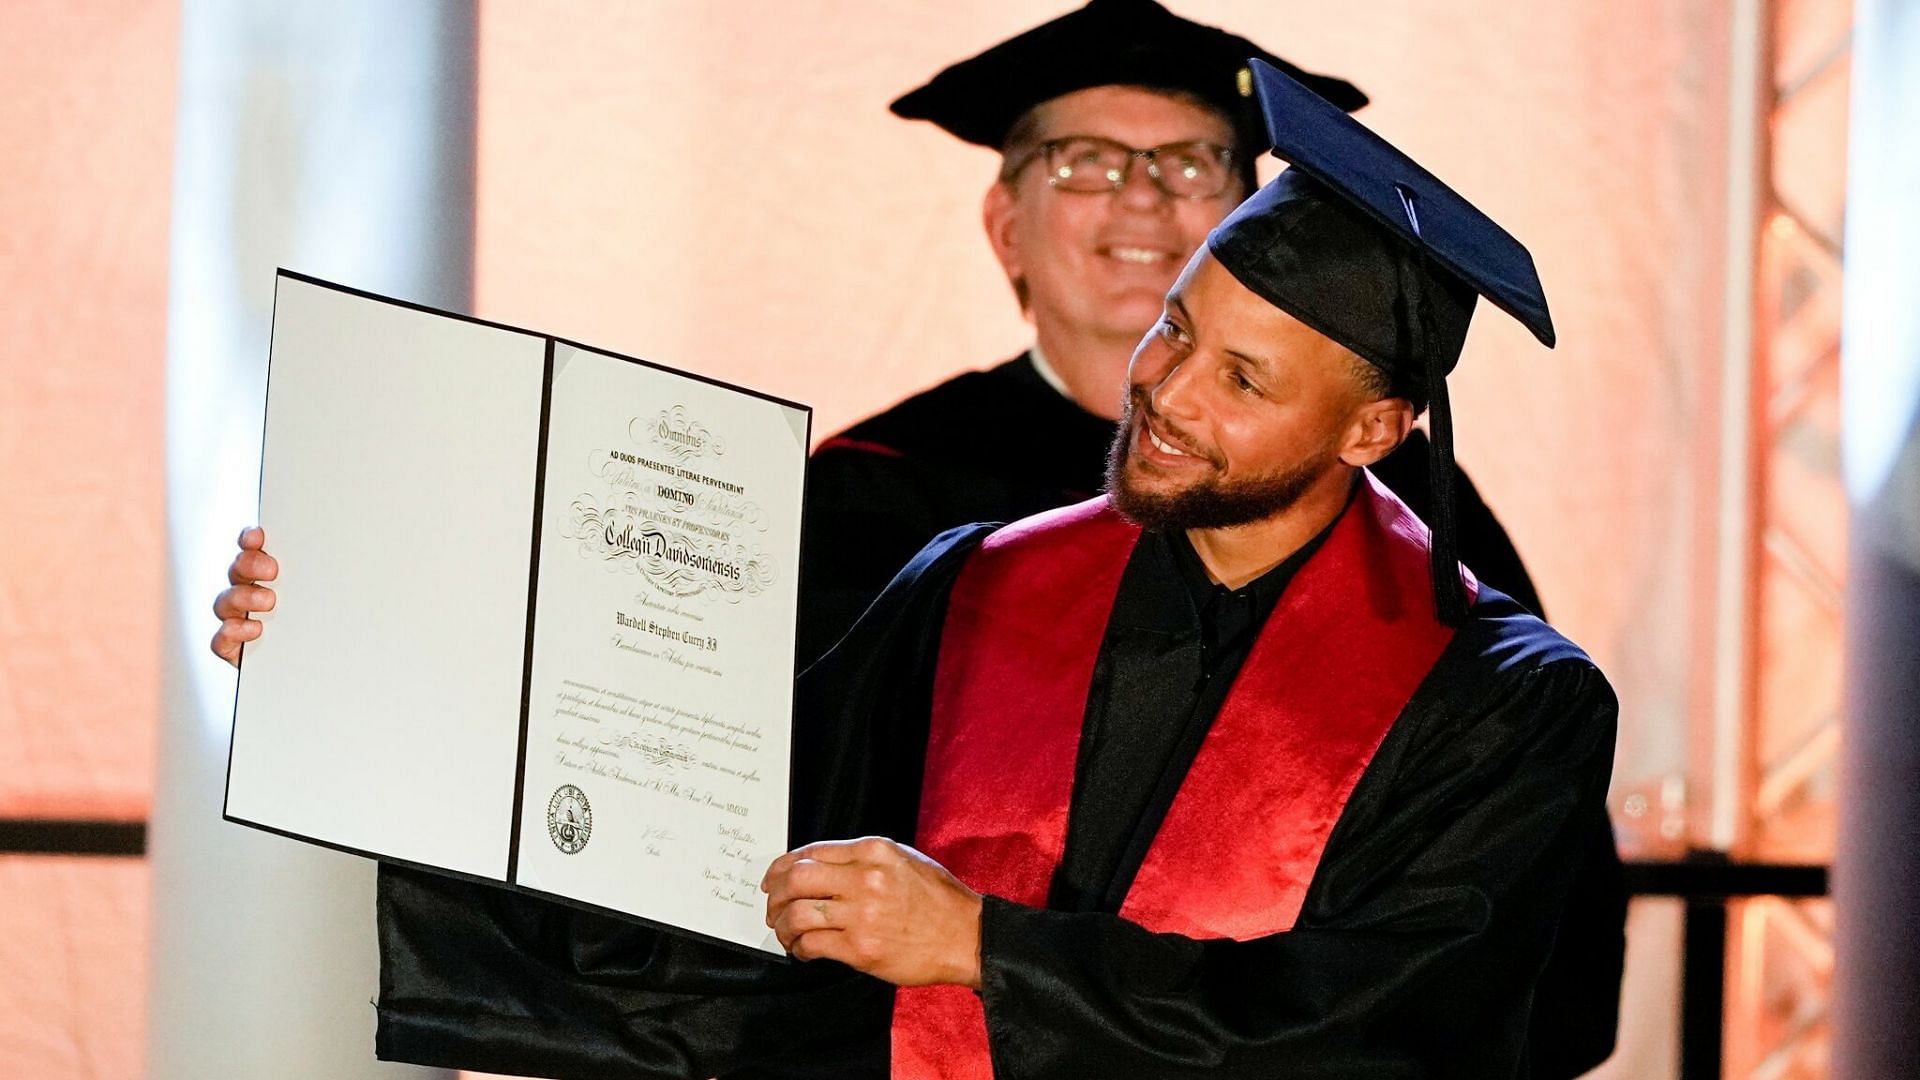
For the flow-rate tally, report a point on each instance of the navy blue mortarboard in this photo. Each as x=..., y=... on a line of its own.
x=1360, y=243
x=1107, y=42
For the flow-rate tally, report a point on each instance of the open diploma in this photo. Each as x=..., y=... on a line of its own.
x=536, y=613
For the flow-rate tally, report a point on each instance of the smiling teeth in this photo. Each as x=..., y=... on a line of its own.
x=1163, y=447
x=1136, y=255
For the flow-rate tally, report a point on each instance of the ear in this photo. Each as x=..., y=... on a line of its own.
x=1377, y=427
x=1000, y=212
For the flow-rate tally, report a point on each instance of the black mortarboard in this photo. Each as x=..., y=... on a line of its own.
x=1107, y=42
x=1360, y=243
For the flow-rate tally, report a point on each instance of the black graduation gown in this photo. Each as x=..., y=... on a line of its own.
x=1417, y=948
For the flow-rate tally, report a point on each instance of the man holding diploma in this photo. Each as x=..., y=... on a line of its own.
x=1233, y=772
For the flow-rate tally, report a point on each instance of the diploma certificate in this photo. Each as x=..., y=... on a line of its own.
x=536, y=613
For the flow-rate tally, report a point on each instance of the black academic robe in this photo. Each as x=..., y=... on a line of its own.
x=1423, y=931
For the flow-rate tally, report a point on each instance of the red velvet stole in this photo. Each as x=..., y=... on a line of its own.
x=1341, y=655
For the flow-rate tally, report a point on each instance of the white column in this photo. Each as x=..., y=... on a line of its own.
x=1727, y=764
x=335, y=139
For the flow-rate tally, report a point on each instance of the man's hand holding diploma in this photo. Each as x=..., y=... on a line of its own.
x=878, y=907
x=244, y=596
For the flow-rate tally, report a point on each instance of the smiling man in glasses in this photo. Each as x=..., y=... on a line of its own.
x=1126, y=133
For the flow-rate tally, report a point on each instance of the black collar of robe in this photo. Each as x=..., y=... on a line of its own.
x=1230, y=619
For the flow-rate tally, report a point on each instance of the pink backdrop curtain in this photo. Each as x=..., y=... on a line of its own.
x=86, y=119
x=719, y=187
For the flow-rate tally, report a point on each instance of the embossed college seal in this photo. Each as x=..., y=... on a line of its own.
x=569, y=819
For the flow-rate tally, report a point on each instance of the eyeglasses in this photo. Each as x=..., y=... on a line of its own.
x=1089, y=163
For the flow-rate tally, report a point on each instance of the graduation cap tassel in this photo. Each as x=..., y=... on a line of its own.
x=1449, y=596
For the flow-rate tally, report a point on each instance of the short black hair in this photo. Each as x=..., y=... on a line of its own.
x=1378, y=383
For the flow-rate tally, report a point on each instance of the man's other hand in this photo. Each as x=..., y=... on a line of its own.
x=878, y=907
x=244, y=595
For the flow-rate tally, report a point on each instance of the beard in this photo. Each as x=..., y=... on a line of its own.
x=1212, y=503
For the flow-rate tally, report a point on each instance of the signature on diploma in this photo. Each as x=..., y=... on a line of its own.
x=739, y=888
x=653, y=840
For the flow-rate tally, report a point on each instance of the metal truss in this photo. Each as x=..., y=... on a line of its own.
x=1780, y=956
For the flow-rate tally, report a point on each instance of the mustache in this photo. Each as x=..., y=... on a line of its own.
x=1140, y=402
